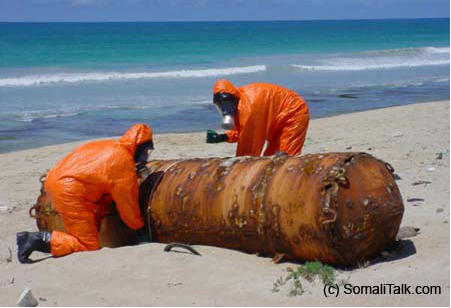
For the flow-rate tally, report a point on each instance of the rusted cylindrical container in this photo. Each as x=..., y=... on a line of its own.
x=339, y=208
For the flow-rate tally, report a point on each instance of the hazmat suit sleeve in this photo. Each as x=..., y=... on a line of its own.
x=125, y=193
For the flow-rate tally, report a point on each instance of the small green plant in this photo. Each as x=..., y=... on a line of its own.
x=276, y=286
x=309, y=271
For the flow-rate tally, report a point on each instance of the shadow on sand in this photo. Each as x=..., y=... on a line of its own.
x=399, y=250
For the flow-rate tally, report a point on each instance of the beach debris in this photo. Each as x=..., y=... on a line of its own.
x=42, y=299
x=174, y=284
x=349, y=148
x=439, y=210
x=27, y=299
x=406, y=232
x=415, y=199
x=420, y=182
x=370, y=148
x=278, y=257
x=397, y=134
x=9, y=281
x=430, y=169
x=7, y=209
x=169, y=246
x=10, y=256
x=396, y=176
x=440, y=154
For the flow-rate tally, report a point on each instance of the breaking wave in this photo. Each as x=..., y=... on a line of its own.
x=33, y=80
x=29, y=116
x=385, y=59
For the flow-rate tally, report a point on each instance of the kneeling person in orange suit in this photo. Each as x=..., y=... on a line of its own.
x=78, y=187
x=260, y=112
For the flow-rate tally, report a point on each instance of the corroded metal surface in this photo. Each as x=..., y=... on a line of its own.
x=340, y=208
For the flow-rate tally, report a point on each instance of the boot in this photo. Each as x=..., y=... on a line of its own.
x=27, y=242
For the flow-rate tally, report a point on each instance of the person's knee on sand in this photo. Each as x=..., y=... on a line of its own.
x=80, y=181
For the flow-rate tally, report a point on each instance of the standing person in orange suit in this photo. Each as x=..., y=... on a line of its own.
x=260, y=112
x=78, y=187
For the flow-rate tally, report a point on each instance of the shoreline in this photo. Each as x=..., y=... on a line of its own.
x=203, y=131
x=409, y=137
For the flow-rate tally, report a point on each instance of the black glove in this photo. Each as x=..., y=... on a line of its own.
x=27, y=242
x=214, y=137
x=142, y=235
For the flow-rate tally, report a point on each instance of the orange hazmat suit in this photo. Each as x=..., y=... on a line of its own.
x=266, y=112
x=83, y=184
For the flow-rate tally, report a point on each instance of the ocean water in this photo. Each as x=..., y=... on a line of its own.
x=62, y=82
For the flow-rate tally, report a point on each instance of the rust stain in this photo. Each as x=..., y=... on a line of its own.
x=345, y=214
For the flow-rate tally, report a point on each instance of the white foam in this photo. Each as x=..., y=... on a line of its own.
x=444, y=50
x=30, y=116
x=32, y=80
x=442, y=80
x=363, y=67
x=386, y=59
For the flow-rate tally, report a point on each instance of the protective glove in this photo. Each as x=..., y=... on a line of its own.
x=142, y=235
x=214, y=137
x=27, y=242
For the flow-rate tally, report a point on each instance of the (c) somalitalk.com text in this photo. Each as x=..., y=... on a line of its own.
x=334, y=290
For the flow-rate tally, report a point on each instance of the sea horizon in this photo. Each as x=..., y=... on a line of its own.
x=231, y=21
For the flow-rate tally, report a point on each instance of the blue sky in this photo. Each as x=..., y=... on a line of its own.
x=190, y=10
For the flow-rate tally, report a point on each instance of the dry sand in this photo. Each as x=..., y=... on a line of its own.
x=408, y=137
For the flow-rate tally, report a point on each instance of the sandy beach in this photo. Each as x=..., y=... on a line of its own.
x=409, y=137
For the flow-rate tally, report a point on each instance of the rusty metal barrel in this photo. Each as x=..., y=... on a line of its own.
x=339, y=208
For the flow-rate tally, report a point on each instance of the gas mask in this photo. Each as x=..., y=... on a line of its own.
x=142, y=154
x=227, y=105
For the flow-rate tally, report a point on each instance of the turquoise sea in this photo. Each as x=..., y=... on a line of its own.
x=62, y=82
